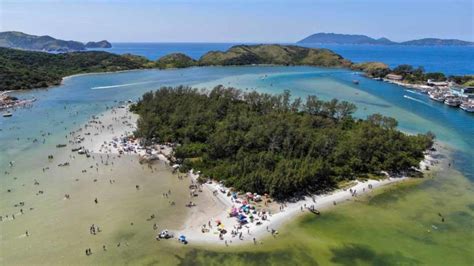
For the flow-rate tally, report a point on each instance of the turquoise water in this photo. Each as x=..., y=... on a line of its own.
x=61, y=109
x=82, y=96
x=451, y=60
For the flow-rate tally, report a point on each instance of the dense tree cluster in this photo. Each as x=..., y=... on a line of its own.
x=466, y=80
x=26, y=69
x=273, y=143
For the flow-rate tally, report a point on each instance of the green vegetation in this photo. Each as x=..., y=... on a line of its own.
x=413, y=75
x=372, y=69
x=410, y=74
x=273, y=144
x=27, y=70
x=274, y=54
x=175, y=60
x=467, y=80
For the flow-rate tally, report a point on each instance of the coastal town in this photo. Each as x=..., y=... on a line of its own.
x=446, y=92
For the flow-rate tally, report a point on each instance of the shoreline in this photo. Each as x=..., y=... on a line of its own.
x=205, y=205
x=261, y=229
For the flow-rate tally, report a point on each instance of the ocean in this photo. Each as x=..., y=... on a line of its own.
x=451, y=60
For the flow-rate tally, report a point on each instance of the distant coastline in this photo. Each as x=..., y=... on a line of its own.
x=23, y=41
x=356, y=39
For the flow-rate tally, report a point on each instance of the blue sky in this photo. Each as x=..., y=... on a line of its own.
x=237, y=20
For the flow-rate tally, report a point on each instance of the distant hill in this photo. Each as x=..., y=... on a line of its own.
x=335, y=38
x=274, y=54
x=175, y=60
x=20, y=40
x=101, y=44
x=435, y=41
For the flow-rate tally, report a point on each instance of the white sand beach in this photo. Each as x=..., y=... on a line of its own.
x=212, y=208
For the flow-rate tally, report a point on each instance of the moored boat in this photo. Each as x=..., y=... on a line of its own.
x=437, y=96
x=468, y=106
x=7, y=114
x=453, y=101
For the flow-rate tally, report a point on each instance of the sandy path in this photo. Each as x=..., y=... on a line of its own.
x=103, y=129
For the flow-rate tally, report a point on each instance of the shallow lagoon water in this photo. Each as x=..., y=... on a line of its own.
x=390, y=228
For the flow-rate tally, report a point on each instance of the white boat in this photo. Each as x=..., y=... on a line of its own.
x=468, y=106
x=453, y=101
x=7, y=114
x=436, y=96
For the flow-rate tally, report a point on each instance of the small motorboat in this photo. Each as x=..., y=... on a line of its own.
x=7, y=114
x=468, y=106
x=61, y=145
x=355, y=81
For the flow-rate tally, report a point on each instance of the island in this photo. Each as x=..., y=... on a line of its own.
x=274, y=54
x=100, y=44
x=23, y=41
x=334, y=38
x=356, y=39
x=275, y=144
x=175, y=60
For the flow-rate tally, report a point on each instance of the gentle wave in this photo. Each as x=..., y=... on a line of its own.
x=416, y=100
x=414, y=92
x=121, y=85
